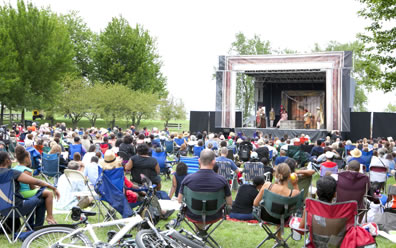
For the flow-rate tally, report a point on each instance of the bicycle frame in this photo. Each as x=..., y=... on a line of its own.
x=129, y=223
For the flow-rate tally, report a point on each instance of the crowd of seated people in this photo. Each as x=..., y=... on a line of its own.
x=131, y=149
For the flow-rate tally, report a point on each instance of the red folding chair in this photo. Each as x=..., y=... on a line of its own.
x=378, y=174
x=328, y=222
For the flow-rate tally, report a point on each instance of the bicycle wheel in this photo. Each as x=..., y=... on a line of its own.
x=188, y=241
x=47, y=237
x=148, y=239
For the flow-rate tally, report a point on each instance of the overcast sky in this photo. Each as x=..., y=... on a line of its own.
x=192, y=34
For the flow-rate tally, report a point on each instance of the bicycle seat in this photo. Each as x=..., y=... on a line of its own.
x=76, y=213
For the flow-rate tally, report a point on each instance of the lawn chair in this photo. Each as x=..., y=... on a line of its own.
x=324, y=170
x=280, y=208
x=304, y=183
x=252, y=169
x=203, y=204
x=226, y=171
x=35, y=158
x=353, y=186
x=197, y=150
x=73, y=149
x=50, y=167
x=169, y=147
x=8, y=209
x=366, y=158
x=165, y=167
x=191, y=162
x=328, y=223
x=378, y=174
x=75, y=176
x=348, y=149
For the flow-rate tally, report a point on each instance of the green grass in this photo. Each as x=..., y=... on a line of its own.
x=229, y=234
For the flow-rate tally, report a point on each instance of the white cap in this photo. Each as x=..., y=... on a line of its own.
x=254, y=155
x=329, y=154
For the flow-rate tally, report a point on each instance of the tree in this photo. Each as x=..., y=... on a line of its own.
x=363, y=70
x=380, y=42
x=128, y=56
x=245, y=84
x=82, y=40
x=171, y=109
x=44, y=53
x=390, y=108
x=143, y=106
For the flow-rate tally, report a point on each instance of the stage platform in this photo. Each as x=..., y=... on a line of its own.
x=314, y=134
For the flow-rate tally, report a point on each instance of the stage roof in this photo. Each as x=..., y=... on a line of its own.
x=288, y=76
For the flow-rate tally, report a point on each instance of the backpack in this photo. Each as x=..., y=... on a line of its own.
x=358, y=237
x=244, y=152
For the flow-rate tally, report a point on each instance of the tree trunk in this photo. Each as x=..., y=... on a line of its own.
x=139, y=117
x=23, y=116
x=2, y=114
x=113, y=122
x=166, y=123
x=74, y=122
x=10, y=117
x=133, y=119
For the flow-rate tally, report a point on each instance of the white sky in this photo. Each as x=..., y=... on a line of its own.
x=192, y=34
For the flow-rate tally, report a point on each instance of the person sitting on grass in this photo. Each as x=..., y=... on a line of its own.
x=177, y=179
x=30, y=190
x=243, y=205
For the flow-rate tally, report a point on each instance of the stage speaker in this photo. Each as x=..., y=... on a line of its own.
x=199, y=121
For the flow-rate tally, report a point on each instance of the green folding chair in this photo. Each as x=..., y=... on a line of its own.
x=304, y=182
x=278, y=207
x=203, y=204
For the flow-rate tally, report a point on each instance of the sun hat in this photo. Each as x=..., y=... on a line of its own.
x=110, y=161
x=329, y=155
x=260, y=142
x=356, y=153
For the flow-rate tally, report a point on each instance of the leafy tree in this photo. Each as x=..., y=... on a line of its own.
x=380, y=42
x=82, y=40
x=390, y=108
x=363, y=70
x=73, y=100
x=245, y=84
x=143, y=105
x=128, y=56
x=44, y=52
x=171, y=109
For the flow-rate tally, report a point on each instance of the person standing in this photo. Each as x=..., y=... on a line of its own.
x=263, y=118
x=272, y=117
x=319, y=118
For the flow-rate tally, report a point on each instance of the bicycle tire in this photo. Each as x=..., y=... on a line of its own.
x=148, y=239
x=186, y=240
x=47, y=236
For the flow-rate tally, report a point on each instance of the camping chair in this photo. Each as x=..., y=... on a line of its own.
x=324, y=169
x=104, y=147
x=226, y=171
x=296, y=153
x=348, y=149
x=252, y=169
x=50, y=167
x=74, y=176
x=340, y=163
x=304, y=183
x=35, y=158
x=328, y=223
x=9, y=210
x=197, y=150
x=353, y=186
x=378, y=174
x=169, y=148
x=203, y=204
x=165, y=168
x=191, y=162
x=73, y=149
x=366, y=157
x=278, y=207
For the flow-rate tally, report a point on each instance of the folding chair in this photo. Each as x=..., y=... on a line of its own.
x=203, y=204
x=252, y=169
x=324, y=170
x=191, y=162
x=169, y=147
x=378, y=174
x=165, y=168
x=179, y=142
x=73, y=149
x=74, y=176
x=50, y=167
x=8, y=209
x=328, y=223
x=35, y=158
x=226, y=171
x=366, y=158
x=353, y=186
x=304, y=183
x=279, y=208
x=197, y=150
x=348, y=149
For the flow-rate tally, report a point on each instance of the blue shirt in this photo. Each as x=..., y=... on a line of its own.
x=224, y=159
x=280, y=159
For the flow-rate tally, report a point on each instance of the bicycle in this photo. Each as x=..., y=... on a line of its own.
x=69, y=235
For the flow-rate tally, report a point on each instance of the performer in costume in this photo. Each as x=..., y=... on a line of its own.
x=272, y=117
x=263, y=118
x=284, y=117
x=319, y=118
x=307, y=119
x=258, y=117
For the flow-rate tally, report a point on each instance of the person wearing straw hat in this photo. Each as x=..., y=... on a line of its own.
x=356, y=154
x=110, y=161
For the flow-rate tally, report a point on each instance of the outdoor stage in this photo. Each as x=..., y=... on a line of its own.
x=291, y=133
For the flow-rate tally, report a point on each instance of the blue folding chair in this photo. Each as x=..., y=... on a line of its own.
x=179, y=142
x=169, y=146
x=191, y=162
x=165, y=167
x=35, y=158
x=50, y=167
x=8, y=209
x=348, y=149
x=197, y=150
x=366, y=158
x=73, y=149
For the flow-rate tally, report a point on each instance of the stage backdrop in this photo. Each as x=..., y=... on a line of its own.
x=360, y=125
x=336, y=65
x=384, y=125
x=205, y=121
